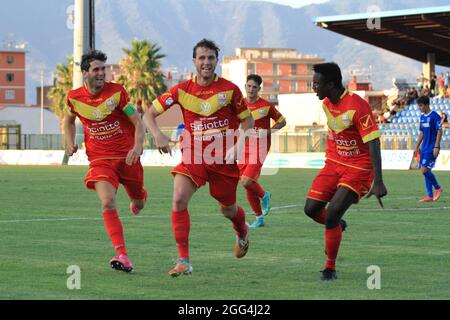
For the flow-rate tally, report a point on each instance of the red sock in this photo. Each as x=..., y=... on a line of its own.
x=239, y=223
x=114, y=228
x=181, y=225
x=333, y=239
x=256, y=189
x=255, y=202
x=321, y=218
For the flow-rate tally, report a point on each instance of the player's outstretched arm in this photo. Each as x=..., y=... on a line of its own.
x=69, y=133
x=378, y=188
x=161, y=140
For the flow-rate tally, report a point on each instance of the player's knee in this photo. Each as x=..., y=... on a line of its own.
x=246, y=182
x=179, y=202
x=108, y=203
x=310, y=211
x=228, y=211
x=331, y=221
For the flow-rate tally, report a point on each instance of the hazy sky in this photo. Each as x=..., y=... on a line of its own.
x=294, y=3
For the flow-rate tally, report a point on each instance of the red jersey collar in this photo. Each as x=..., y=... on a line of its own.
x=216, y=78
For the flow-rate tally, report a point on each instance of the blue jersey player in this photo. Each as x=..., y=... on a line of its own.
x=428, y=147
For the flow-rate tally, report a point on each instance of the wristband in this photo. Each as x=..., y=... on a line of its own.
x=436, y=148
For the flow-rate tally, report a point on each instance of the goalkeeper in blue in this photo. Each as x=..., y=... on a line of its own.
x=428, y=146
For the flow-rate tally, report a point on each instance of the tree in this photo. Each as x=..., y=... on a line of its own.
x=141, y=73
x=61, y=88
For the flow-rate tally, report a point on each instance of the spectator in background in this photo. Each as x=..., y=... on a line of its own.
x=444, y=120
x=420, y=82
x=441, y=82
x=426, y=91
x=432, y=85
x=447, y=93
x=447, y=79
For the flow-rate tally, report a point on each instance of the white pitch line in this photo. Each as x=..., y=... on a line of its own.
x=248, y=212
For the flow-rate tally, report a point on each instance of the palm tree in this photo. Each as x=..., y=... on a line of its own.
x=141, y=73
x=61, y=88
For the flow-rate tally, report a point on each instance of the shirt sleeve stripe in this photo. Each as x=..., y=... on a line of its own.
x=158, y=106
x=371, y=136
x=282, y=118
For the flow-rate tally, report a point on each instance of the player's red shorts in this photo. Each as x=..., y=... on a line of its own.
x=335, y=175
x=223, y=179
x=116, y=171
x=252, y=171
x=252, y=164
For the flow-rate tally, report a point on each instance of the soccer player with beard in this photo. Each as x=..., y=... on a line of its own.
x=256, y=150
x=114, y=136
x=353, y=160
x=213, y=109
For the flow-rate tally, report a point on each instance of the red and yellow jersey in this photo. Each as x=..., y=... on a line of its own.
x=262, y=111
x=108, y=131
x=350, y=126
x=210, y=112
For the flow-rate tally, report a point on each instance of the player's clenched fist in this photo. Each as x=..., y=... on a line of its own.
x=71, y=149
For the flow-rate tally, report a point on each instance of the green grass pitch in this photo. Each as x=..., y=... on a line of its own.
x=50, y=221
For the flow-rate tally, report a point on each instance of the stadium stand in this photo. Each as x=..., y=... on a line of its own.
x=403, y=131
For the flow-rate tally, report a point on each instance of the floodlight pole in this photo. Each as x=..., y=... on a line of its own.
x=42, y=102
x=83, y=41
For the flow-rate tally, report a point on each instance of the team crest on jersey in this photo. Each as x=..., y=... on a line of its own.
x=345, y=120
x=222, y=97
x=205, y=107
x=110, y=105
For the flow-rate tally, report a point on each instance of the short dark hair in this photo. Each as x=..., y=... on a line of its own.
x=205, y=43
x=423, y=100
x=92, y=55
x=330, y=72
x=255, y=78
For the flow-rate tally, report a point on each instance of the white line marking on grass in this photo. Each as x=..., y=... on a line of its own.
x=372, y=209
x=248, y=212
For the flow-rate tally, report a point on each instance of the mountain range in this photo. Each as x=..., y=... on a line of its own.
x=176, y=25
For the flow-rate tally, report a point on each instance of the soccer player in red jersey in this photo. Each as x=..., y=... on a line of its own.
x=113, y=136
x=213, y=109
x=256, y=150
x=353, y=160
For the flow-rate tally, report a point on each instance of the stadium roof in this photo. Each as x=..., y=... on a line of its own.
x=412, y=33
